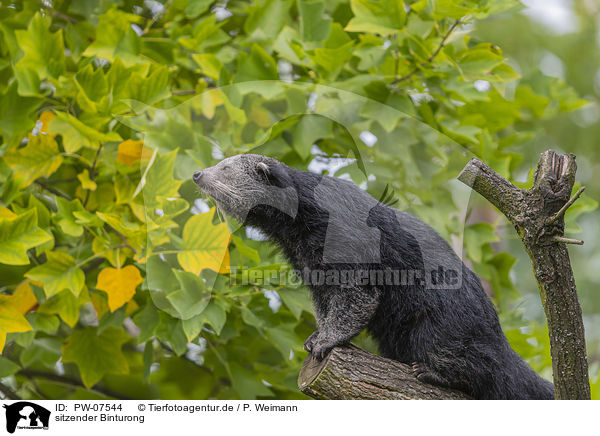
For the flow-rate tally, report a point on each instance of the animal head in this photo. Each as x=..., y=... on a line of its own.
x=240, y=183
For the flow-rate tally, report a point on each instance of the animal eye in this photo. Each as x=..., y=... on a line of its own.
x=225, y=168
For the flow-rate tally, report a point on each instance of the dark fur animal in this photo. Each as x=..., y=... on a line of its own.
x=449, y=332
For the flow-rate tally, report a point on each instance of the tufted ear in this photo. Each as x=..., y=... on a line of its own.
x=263, y=169
x=275, y=174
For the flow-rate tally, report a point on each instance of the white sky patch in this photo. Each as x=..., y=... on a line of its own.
x=329, y=164
x=312, y=102
x=155, y=7
x=557, y=15
x=285, y=70
x=552, y=66
x=255, y=234
x=200, y=206
x=222, y=13
x=368, y=138
x=137, y=29
x=195, y=351
x=587, y=115
x=216, y=152
x=482, y=85
x=99, y=62
x=274, y=299
x=37, y=128
x=159, y=212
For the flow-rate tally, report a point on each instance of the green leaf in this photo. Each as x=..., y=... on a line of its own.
x=148, y=360
x=147, y=320
x=267, y=18
x=192, y=297
x=160, y=183
x=171, y=330
x=96, y=354
x=246, y=384
x=209, y=64
x=450, y=9
x=313, y=24
x=337, y=51
x=214, y=315
x=115, y=38
x=66, y=305
x=385, y=17
x=309, y=129
x=258, y=66
x=58, y=273
x=19, y=233
x=65, y=216
x=7, y=367
x=478, y=63
x=285, y=339
x=44, y=351
x=43, y=51
x=196, y=7
x=16, y=114
x=39, y=158
x=297, y=300
x=245, y=250
x=476, y=236
x=76, y=134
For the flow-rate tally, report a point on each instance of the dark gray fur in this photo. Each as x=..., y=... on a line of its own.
x=449, y=331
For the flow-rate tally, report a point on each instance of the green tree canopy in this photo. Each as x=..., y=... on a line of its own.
x=113, y=273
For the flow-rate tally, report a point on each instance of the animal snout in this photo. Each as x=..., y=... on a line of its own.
x=197, y=176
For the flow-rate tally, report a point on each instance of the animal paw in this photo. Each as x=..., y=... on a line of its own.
x=318, y=346
x=309, y=343
x=320, y=350
x=426, y=375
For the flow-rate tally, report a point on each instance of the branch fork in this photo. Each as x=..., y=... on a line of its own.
x=538, y=216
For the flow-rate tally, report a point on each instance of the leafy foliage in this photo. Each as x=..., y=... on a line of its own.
x=113, y=271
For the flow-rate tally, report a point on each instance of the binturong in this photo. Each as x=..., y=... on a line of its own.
x=370, y=266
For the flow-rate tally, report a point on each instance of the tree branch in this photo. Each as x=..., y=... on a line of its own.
x=8, y=392
x=537, y=214
x=432, y=57
x=349, y=373
x=33, y=373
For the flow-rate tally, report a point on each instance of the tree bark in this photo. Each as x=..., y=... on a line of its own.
x=537, y=214
x=349, y=373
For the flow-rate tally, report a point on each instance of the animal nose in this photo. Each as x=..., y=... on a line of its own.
x=197, y=176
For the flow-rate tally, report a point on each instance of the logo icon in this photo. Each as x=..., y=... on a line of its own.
x=26, y=415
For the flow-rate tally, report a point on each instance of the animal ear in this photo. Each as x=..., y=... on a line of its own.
x=264, y=169
x=275, y=174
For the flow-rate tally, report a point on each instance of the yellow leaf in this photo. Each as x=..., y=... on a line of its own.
x=6, y=213
x=210, y=100
x=119, y=284
x=204, y=244
x=86, y=182
x=131, y=151
x=12, y=308
x=22, y=298
x=45, y=118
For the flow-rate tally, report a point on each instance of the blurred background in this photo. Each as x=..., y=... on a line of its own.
x=561, y=38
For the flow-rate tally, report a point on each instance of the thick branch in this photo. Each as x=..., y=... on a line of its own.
x=496, y=189
x=349, y=373
x=537, y=215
